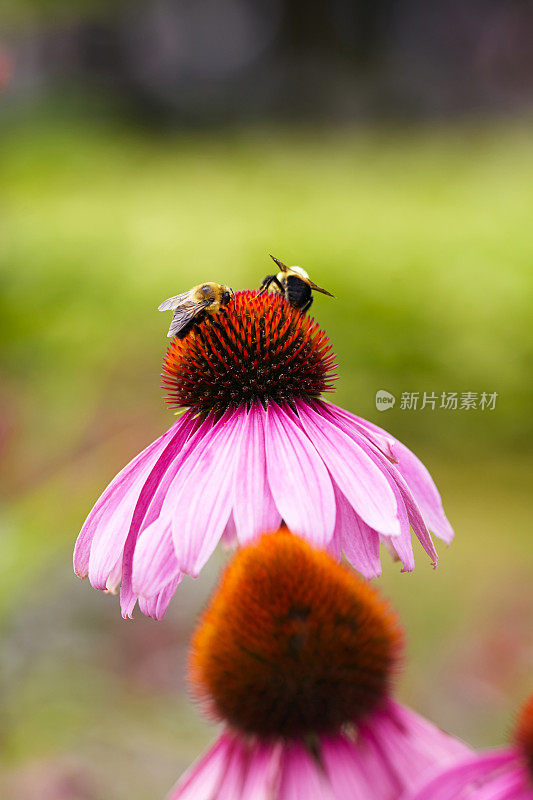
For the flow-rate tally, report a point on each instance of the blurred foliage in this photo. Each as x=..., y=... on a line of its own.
x=23, y=14
x=423, y=236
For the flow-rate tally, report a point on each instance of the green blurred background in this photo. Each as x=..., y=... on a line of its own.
x=421, y=226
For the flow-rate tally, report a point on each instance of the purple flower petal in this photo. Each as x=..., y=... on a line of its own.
x=302, y=777
x=157, y=605
x=201, y=501
x=359, y=542
x=358, y=477
x=154, y=560
x=263, y=772
x=146, y=509
x=229, y=540
x=232, y=781
x=109, y=521
x=201, y=781
x=424, y=492
x=382, y=440
x=470, y=777
x=299, y=481
x=407, y=745
x=110, y=498
x=254, y=510
x=342, y=763
x=408, y=512
x=417, y=477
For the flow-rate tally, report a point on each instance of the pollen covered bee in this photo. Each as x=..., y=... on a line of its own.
x=294, y=284
x=193, y=306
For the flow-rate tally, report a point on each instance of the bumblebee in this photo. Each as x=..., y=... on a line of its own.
x=294, y=284
x=193, y=306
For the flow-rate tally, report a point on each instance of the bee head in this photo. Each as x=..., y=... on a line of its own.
x=227, y=294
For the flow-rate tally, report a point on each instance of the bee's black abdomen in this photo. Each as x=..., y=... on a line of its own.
x=297, y=292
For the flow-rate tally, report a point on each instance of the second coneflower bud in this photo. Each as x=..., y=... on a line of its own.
x=297, y=656
x=292, y=644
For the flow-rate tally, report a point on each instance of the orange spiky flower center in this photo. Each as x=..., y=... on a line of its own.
x=292, y=643
x=524, y=733
x=256, y=348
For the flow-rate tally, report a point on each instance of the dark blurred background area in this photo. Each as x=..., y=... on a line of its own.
x=386, y=147
x=229, y=61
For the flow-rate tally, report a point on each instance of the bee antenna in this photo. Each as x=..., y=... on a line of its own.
x=281, y=265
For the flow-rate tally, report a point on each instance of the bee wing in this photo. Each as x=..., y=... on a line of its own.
x=174, y=302
x=185, y=312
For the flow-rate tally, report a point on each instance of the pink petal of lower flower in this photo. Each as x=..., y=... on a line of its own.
x=342, y=763
x=254, y=509
x=263, y=773
x=202, y=504
x=460, y=779
x=302, y=778
x=358, y=477
x=299, y=481
x=202, y=780
x=232, y=782
x=408, y=745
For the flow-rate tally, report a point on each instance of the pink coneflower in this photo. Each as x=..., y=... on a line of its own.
x=500, y=774
x=256, y=446
x=296, y=655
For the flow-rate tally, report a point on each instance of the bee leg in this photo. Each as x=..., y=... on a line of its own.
x=307, y=306
x=267, y=281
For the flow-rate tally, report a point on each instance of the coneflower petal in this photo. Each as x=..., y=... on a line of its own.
x=154, y=560
x=202, y=504
x=111, y=498
x=359, y=542
x=262, y=774
x=415, y=474
x=301, y=777
x=254, y=510
x=113, y=516
x=459, y=780
x=360, y=480
x=424, y=492
x=232, y=780
x=406, y=744
x=157, y=605
x=382, y=440
x=203, y=778
x=416, y=519
x=143, y=513
x=346, y=770
x=406, y=504
x=298, y=479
